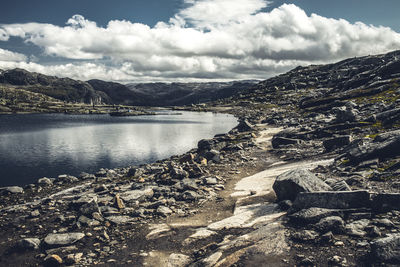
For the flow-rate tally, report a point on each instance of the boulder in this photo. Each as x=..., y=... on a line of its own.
x=205, y=144
x=333, y=200
x=334, y=224
x=164, y=211
x=289, y=184
x=12, y=190
x=178, y=260
x=244, y=126
x=278, y=141
x=384, y=146
x=139, y=195
x=212, y=155
x=337, y=142
x=357, y=228
x=52, y=261
x=345, y=114
x=313, y=215
x=178, y=173
x=45, y=181
x=63, y=239
x=90, y=207
x=386, y=249
x=28, y=244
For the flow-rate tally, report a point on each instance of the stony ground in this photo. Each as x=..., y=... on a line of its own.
x=310, y=177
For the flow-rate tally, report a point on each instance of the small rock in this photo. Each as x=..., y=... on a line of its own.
x=52, y=260
x=306, y=235
x=210, y=180
x=118, y=203
x=337, y=261
x=45, y=181
x=63, y=239
x=164, y=211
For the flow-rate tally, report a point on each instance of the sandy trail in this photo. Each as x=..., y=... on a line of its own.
x=253, y=207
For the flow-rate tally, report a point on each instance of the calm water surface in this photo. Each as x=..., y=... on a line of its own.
x=46, y=145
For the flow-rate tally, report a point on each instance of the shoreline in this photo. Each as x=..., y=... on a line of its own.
x=74, y=177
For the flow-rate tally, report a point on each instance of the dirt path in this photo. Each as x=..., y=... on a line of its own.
x=244, y=226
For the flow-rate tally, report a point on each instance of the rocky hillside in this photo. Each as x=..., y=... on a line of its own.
x=101, y=92
x=63, y=89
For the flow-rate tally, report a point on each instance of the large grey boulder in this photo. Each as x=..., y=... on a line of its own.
x=63, y=239
x=333, y=200
x=386, y=249
x=384, y=146
x=289, y=184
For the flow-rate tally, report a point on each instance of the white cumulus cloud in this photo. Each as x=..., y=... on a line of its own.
x=9, y=56
x=208, y=39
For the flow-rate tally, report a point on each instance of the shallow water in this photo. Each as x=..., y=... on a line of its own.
x=47, y=145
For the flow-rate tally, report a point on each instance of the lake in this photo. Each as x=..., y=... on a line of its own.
x=47, y=145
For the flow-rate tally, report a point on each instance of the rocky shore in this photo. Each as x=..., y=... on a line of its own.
x=309, y=177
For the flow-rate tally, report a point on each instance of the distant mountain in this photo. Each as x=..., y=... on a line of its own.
x=175, y=94
x=120, y=94
x=102, y=92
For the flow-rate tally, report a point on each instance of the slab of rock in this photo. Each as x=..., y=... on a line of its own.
x=386, y=201
x=386, y=249
x=289, y=184
x=332, y=200
x=63, y=239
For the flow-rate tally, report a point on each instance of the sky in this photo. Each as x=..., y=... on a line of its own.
x=190, y=40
